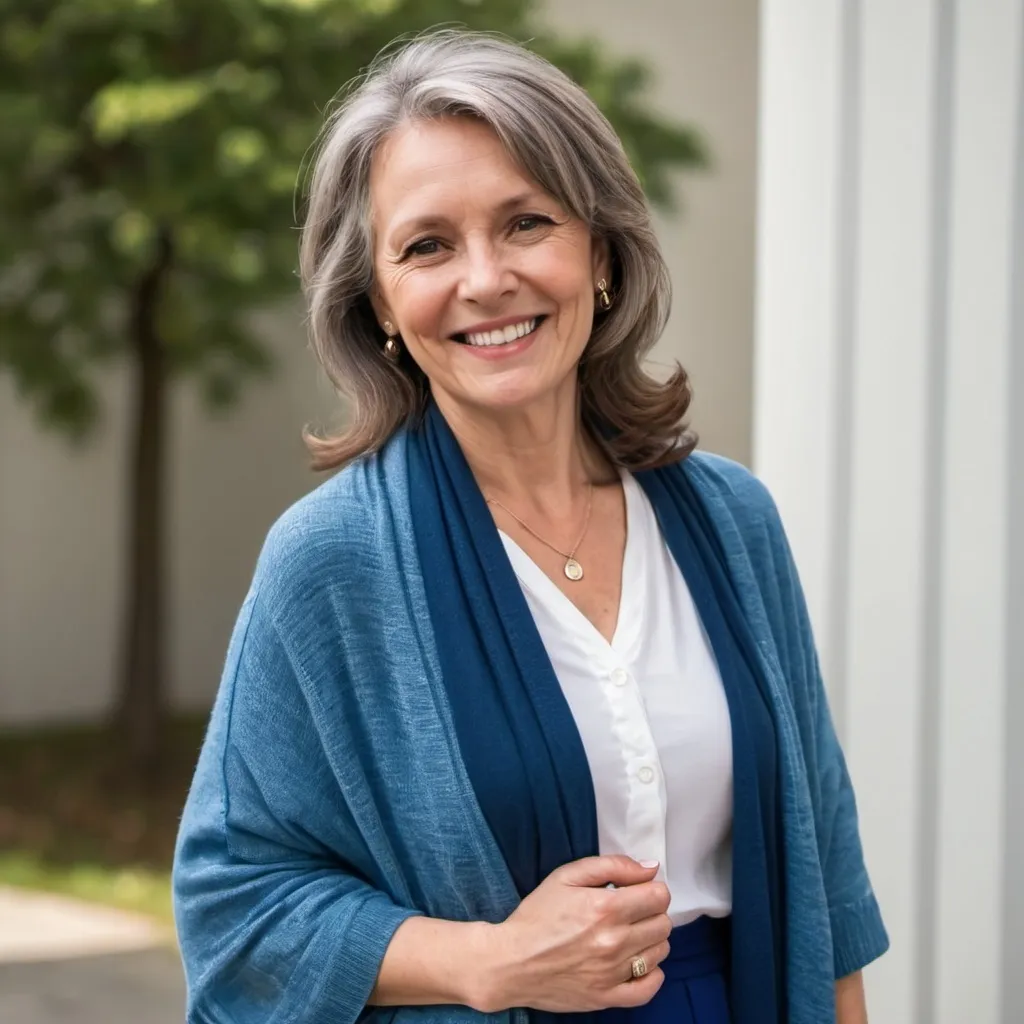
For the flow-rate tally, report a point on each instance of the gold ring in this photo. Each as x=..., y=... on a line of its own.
x=638, y=967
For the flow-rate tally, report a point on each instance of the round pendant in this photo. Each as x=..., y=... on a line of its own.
x=573, y=570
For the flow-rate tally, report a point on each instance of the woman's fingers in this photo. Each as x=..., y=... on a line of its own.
x=652, y=956
x=571, y=938
x=639, y=902
x=639, y=992
x=616, y=869
x=652, y=932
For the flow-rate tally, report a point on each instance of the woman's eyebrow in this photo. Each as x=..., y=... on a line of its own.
x=521, y=199
x=412, y=225
x=432, y=221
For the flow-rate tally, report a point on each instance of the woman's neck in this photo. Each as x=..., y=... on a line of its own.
x=539, y=458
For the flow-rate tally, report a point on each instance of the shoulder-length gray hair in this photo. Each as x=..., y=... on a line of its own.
x=549, y=126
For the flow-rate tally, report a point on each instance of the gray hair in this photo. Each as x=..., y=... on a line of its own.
x=550, y=127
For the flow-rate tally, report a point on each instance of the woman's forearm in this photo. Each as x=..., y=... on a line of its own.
x=432, y=962
x=851, y=1007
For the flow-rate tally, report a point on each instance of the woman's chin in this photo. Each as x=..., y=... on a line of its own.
x=511, y=395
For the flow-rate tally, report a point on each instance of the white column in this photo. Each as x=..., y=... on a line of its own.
x=885, y=320
x=975, y=501
x=799, y=147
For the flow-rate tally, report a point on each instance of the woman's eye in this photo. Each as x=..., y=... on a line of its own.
x=531, y=223
x=424, y=247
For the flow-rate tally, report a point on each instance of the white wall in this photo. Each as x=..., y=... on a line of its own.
x=61, y=513
x=62, y=531
x=888, y=371
x=705, y=56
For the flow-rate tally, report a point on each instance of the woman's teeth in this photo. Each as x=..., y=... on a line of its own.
x=503, y=335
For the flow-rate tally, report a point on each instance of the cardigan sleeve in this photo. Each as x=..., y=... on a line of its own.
x=277, y=918
x=858, y=933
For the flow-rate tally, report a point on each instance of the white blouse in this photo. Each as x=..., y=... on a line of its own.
x=651, y=711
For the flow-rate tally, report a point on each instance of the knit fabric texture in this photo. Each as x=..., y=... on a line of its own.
x=330, y=801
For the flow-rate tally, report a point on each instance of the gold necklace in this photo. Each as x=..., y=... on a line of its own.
x=572, y=568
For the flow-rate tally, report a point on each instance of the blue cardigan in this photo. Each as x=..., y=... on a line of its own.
x=331, y=801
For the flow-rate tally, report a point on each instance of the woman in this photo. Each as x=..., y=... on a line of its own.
x=522, y=714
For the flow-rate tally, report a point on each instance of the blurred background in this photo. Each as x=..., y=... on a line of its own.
x=840, y=195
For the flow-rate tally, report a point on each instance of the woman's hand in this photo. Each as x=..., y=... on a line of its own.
x=851, y=1007
x=570, y=944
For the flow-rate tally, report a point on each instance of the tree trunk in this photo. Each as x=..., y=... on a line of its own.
x=141, y=701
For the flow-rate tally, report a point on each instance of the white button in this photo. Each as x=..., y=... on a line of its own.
x=620, y=677
x=646, y=774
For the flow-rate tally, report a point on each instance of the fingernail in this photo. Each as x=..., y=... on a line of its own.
x=648, y=863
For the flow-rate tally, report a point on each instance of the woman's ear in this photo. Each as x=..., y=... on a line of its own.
x=601, y=259
x=380, y=309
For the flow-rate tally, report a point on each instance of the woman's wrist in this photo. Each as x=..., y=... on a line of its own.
x=490, y=974
x=436, y=962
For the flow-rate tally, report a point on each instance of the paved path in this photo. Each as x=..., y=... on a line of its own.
x=116, y=988
x=63, y=961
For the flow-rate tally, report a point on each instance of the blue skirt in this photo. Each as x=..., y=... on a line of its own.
x=695, y=990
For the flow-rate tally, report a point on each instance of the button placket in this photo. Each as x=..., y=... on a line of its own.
x=646, y=814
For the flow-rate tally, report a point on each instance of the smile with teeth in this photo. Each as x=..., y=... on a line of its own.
x=503, y=335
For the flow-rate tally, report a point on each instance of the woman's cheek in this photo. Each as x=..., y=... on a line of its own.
x=425, y=305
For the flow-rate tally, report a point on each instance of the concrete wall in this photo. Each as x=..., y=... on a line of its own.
x=62, y=532
x=61, y=512
x=889, y=368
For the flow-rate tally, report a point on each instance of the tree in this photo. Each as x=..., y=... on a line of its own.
x=149, y=153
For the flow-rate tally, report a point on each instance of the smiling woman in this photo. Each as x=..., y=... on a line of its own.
x=488, y=279
x=522, y=716
x=454, y=197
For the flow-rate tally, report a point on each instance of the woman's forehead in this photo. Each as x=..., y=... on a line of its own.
x=425, y=166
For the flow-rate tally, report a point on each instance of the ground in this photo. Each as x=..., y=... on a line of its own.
x=85, y=919
x=130, y=988
x=66, y=961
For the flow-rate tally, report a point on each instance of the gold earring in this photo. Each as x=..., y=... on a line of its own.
x=604, y=300
x=391, y=349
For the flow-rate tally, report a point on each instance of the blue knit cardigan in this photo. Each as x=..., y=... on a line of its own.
x=330, y=801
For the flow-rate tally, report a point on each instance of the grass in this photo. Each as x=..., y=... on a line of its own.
x=141, y=890
x=75, y=820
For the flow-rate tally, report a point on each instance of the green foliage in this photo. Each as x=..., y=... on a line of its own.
x=128, y=121
x=140, y=890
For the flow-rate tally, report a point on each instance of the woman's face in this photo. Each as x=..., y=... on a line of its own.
x=489, y=282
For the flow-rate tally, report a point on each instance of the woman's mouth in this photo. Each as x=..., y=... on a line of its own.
x=500, y=335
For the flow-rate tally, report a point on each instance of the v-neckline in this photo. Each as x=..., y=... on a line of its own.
x=629, y=613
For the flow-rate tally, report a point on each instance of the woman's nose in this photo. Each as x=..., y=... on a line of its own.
x=486, y=276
